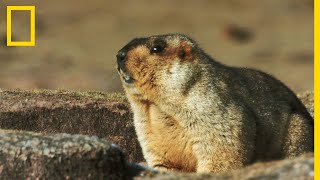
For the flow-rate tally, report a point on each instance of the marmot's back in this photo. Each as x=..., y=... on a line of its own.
x=274, y=106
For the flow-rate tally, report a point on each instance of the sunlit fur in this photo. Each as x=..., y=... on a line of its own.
x=194, y=114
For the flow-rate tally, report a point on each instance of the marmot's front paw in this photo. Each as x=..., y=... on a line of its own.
x=164, y=168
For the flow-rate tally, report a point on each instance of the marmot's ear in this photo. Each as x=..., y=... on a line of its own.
x=185, y=50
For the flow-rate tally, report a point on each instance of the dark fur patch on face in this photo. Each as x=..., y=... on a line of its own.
x=133, y=44
x=186, y=51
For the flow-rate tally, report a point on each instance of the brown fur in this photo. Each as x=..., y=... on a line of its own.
x=192, y=113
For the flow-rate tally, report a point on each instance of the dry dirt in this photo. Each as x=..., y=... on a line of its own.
x=76, y=40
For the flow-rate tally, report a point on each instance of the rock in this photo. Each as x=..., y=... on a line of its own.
x=27, y=155
x=90, y=113
x=237, y=33
x=307, y=99
x=298, y=168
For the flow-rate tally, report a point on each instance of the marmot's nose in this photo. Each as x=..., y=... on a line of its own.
x=121, y=56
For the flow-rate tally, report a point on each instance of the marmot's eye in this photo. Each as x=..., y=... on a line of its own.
x=158, y=46
x=156, y=49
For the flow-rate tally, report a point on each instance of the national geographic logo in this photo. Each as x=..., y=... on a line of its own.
x=32, y=41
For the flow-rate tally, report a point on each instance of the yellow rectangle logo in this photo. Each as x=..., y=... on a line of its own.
x=32, y=10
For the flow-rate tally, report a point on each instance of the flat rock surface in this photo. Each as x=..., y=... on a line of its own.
x=298, y=168
x=26, y=155
x=91, y=113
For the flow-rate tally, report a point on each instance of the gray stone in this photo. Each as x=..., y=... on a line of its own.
x=61, y=156
x=90, y=113
x=307, y=99
x=297, y=168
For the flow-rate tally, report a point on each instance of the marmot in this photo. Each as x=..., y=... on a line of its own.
x=194, y=114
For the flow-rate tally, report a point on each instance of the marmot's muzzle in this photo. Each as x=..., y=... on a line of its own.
x=121, y=56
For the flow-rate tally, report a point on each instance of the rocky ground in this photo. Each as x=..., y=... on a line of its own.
x=92, y=113
x=102, y=119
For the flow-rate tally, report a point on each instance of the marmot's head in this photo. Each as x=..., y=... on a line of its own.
x=145, y=62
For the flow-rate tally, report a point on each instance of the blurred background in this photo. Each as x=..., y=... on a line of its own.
x=77, y=40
